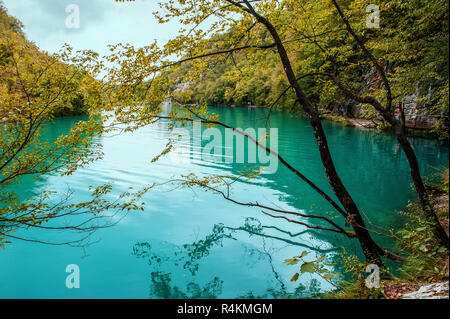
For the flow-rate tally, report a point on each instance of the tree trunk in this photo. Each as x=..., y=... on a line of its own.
x=369, y=247
x=424, y=199
x=399, y=126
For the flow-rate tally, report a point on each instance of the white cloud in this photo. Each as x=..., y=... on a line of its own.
x=102, y=22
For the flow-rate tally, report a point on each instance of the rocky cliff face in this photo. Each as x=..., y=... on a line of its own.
x=418, y=113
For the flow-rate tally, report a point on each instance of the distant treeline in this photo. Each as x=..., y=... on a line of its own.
x=411, y=42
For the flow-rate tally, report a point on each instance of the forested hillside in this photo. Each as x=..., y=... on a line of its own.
x=411, y=44
x=175, y=197
x=13, y=41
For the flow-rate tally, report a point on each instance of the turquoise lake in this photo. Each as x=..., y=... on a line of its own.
x=189, y=243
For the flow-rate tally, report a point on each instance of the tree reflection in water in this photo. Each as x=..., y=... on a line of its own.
x=187, y=258
x=161, y=288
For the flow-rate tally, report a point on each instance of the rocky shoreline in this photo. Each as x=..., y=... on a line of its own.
x=423, y=290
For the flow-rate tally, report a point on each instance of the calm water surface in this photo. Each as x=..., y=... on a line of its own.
x=193, y=244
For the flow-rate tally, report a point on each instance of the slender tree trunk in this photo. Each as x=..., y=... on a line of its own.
x=399, y=126
x=369, y=247
x=424, y=199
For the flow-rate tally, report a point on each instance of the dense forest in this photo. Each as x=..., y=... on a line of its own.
x=13, y=39
x=411, y=42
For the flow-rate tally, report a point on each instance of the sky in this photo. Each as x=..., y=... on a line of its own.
x=101, y=22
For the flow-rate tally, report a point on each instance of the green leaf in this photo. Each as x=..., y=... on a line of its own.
x=307, y=267
x=291, y=261
x=304, y=253
x=442, y=249
x=322, y=258
x=295, y=277
x=332, y=264
x=328, y=276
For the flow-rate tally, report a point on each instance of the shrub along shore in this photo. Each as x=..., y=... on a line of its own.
x=425, y=271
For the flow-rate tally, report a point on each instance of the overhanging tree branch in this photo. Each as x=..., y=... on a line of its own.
x=377, y=65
